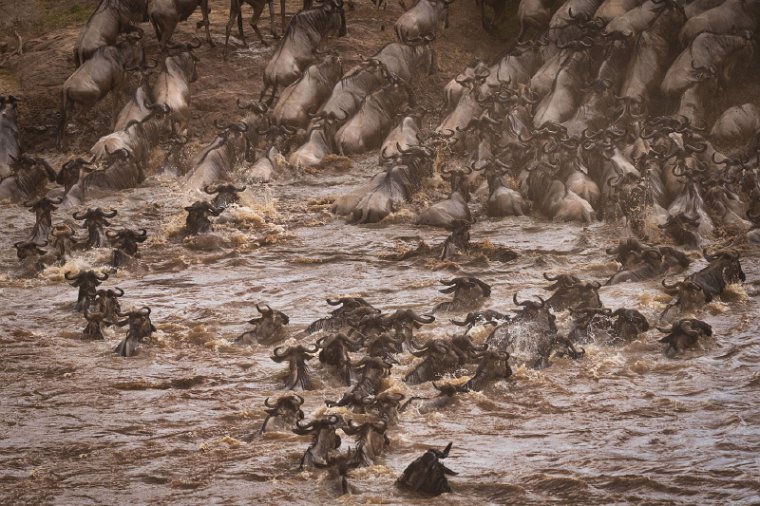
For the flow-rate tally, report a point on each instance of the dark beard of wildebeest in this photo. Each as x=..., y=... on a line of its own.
x=440, y=357
x=371, y=372
x=373, y=201
x=571, y=292
x=28, y=178
x=284, y=414
x=43, y=222
x=258, y=8
x=95, y=221
x=323, y=442
x=10, y=150
x=94, y=327
x=603, y=326
x=371, y=440
x=427, y=474
x=298, y=371
x=226, y=194
x=164, y=15
x=384, y=405
x=267, y=329
x=103, y=73
x=347, y=316
x=297, y=48
x=87, y=282
x=125, y=243
x=30, y=252
x=107, y=303
x=684, y=334
x=703, y=286
x=139, y=328
x=468, y=293
x=531, y=335
x=197, y=221
x=64, y=242
x=334, y=349
x=111, y=18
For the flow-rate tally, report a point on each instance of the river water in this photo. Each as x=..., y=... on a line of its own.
x=176, y=423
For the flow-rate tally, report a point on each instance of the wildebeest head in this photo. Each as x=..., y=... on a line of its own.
x=287, y=407
x=427, y=474
x=684, y=334
x=728, y=259
x=298, y=373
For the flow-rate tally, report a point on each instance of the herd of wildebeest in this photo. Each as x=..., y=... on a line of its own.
x=561, y=126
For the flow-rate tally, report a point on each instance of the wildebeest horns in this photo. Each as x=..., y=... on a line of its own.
x=143, y=311
x=527, y=302
x=238, y=127
x=212, y=189
x=300, y=400
x=32, y=203
x=259, y=107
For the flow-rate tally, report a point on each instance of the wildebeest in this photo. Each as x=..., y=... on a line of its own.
x=302, y=37
x=422, y=20
x=125, y=243
x=111, y=18
x=94, y=221
x=258, y=7
x=468, y=292
x=301, y=99
x=171, y=87
x=427, y=474
x=87, y=282
x=285, y=413
x=267, y=328
x=164, y=15
x=197, y=221
x=10, y=151
x=42, y=209
x=139, y=327
x=703, y=286
x=298, y=371
x=216, y=161
x=323, y=442
x=374, y=119
x=27, y=179
x=104, y=73
x=684, y=334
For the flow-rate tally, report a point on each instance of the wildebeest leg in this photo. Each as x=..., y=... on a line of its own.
x=205, y=11
x=257, y=10
x=62, y=122
x=274, y=92
x=282, y=15
x=234, y=13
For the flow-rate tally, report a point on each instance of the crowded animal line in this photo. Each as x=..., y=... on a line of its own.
x=369, y=245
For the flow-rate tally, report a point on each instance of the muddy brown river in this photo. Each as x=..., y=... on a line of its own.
x=178, y=422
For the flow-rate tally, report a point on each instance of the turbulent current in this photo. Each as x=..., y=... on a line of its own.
x=178, y=422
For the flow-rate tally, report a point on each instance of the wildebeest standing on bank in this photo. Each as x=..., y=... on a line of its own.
x=103, y=73
x=302, y=37
x=9, y=145
x=111, y=18
x=166, y=14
